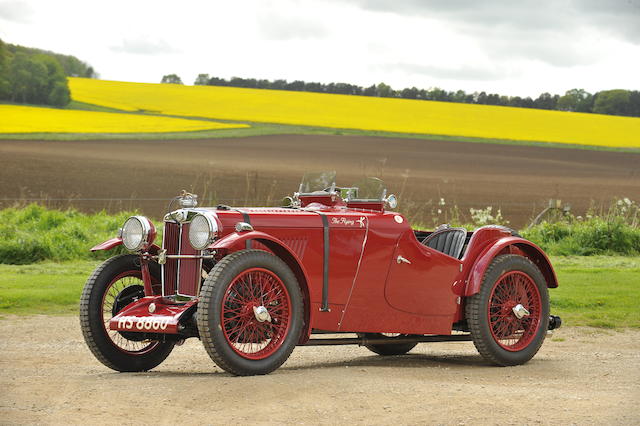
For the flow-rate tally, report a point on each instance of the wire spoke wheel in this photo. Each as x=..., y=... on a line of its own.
x=245, y=332
x=514, y=289
x=115, y=284
x=125, y=288
x=250, y=312
x=509, y=316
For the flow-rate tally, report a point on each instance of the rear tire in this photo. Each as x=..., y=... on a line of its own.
x=512, y=286
x=388, y=349
x=250, y=313
x=113, y=285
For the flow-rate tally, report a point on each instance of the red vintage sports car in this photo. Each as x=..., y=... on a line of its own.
x=252, y=283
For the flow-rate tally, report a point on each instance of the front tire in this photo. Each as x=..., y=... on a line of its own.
x=509, y=316
x=250, y=313
x=113, y=285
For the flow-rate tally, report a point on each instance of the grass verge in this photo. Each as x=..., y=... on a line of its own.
x=596, y=291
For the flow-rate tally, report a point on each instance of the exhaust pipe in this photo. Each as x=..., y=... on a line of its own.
x=554, y=322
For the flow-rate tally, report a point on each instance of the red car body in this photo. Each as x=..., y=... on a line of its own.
x=360, y=269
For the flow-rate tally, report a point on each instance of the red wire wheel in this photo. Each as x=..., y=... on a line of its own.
x=113, y=285
x=509, y=317
x=517, y=291
x=255, y=314
x=123, y=289
x=250, y=312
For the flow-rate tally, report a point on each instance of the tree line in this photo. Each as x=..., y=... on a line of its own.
x=613, y=102
x=35, y=76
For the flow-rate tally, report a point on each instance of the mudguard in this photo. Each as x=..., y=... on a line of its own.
x=114, y=242
x=107, y=245
x=514, y=245
x=281, y=250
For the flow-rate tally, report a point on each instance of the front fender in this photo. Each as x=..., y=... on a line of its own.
x=108, y=245
x=281, y=250
x=514, y=245
x=114, y=242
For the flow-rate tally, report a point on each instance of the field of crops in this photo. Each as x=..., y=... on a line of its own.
x=360, y=112
x=27, y=119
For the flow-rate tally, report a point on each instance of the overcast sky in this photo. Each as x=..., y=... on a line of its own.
x=512, y=47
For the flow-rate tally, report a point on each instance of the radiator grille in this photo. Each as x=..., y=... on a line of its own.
x=170, y=242
x=180, y=276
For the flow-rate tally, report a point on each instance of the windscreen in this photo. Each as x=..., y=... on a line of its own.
x=369, y=189
x=317, y=182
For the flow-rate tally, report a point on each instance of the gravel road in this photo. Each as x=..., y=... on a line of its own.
x=580, y=376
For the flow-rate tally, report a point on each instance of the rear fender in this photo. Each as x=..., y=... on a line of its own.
x=281, y=250
x=509, y=245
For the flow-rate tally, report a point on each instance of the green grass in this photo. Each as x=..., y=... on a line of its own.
x=596, y=291
x=43, y=288
x=35, y=233
x=262, y=129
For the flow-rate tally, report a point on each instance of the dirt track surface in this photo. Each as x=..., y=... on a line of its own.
x=519, y=179
x=580, y=376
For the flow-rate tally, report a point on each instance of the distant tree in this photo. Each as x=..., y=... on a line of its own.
x=410, y=93
x=90, y=73
x=493, y=99
x=437, y=94
x=370, y=91
x=216, y=81
x=202, y=80
x=28, y=79
x=578, y=100
x=615, y=102
x=57, y=90
x=72, y=66
x=279, y=85
x=546, y=101
x=5, y=87
x=59, y=94
x=263, y=84
x=634, y=103
x=38, y=79
x=459, y=96
x=171, y=79
x=314, y=87
x=384, y=90
x=297, y=86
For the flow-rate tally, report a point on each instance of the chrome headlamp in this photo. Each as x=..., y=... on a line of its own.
x=137, y=233
x=203, y=230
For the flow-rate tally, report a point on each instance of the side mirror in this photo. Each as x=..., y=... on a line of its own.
x=391, y=201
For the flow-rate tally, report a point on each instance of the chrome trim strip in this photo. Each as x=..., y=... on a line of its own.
x=178, y=262
x=189, y=256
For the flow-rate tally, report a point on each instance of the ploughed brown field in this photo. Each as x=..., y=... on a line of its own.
x=120, y=174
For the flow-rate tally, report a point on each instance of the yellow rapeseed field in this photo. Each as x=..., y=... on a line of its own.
x=26, y=119
x=359, y=112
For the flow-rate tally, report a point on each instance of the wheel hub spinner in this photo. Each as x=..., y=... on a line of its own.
x=520, y=311
x=261, y=313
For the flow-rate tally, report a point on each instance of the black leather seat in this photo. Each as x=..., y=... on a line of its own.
x=449, y=241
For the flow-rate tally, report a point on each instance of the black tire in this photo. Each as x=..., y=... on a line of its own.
x=498, y=334
x=118, y=276
x=388, y=349
x=228, y=326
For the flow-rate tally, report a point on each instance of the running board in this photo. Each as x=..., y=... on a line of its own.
x=361, y=341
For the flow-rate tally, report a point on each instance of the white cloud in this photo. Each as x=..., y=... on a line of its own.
x=501, y=46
